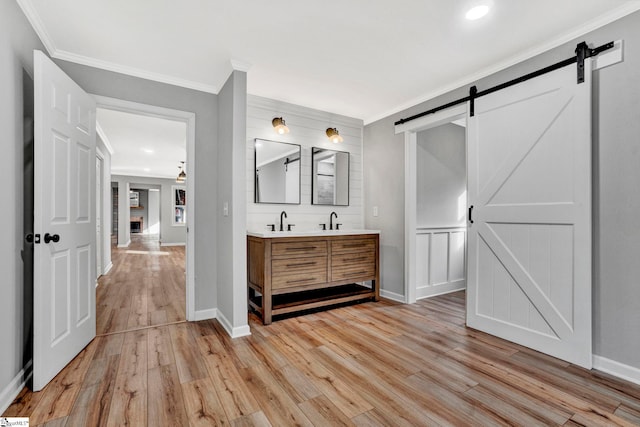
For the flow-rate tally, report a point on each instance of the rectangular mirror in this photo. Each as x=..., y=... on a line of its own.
x=277, y=172
x=329, y=177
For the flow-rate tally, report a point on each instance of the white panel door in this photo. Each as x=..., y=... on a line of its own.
x=529, y=246
x=64, y=216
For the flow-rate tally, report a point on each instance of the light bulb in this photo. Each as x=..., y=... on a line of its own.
x=477, y=12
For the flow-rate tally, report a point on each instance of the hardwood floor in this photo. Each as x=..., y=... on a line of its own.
x=145, y=287
x=373, y=364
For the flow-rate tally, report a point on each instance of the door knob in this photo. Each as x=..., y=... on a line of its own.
x=51, y=238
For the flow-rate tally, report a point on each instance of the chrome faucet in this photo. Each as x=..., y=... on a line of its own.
x=331, y=220
x=283, y=213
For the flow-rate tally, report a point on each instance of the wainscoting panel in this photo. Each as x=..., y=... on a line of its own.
x=440, y=261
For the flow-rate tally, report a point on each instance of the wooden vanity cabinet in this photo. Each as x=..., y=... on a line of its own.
x=290, y=274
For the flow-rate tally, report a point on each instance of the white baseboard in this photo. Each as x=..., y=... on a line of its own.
x=237, y=332
x=108, y=269
x=392, y=296
x=13, y=389
x=126, y=245
x=210, y=313
x=616, y=369
x=172, y=244
x=446, y=289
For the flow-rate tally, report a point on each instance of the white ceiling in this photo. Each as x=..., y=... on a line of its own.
x=361, y=58
x=142, y=145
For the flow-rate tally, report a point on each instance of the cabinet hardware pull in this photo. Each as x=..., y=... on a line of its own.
x=309, y=279
x=362, y=258
x=308, y=248
x=302, y=264
x=355, y=274
x=354, y=245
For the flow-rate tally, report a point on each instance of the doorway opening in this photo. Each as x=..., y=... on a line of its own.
x=441, y=209
x=149, y=245
x=435, y=239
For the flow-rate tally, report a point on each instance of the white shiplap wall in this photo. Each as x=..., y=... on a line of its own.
x=307, y=128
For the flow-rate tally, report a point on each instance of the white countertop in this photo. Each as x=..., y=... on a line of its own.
x=309, y=233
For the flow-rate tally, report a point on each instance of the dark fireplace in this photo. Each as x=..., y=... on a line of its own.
x=136, y=224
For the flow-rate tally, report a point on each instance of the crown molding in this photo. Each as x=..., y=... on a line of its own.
x=104, y=138
x=35, y=21
x=131, y=71
x=626, y=9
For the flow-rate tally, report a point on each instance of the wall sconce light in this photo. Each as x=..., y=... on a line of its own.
x=334, y=135
x=279, y=125
x=182, y=176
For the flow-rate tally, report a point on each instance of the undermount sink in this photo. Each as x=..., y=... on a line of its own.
x=305, y=233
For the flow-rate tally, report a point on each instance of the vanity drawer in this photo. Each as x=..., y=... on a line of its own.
x=288, y=266
x=299, y=249
x=353, y=246
x=353, y=259
x=354, y=272
x=297, y=279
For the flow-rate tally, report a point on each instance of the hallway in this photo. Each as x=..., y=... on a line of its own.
x=145, y=287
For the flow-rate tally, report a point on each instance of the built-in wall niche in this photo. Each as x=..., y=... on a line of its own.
x=329, y=177
x=277, y=172
x=179, y=217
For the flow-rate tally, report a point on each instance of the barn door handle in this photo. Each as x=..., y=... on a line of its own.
x=470, y=215
x=51, y=238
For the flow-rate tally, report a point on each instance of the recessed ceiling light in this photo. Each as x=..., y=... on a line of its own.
x=148, y=150
x=146, y=170
x=477, y=12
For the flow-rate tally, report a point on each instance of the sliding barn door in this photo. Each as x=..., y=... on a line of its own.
x=529, y=259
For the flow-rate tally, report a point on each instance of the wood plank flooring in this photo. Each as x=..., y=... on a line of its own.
x=145, y=287
x=373, y=364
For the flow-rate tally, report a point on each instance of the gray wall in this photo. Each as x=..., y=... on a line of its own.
x=124, y=226
x=154, y=212
x=616, y=156
x=17, y=41
x=232, y=228
x=441, y=177
x=205, y=106
x=169, y=234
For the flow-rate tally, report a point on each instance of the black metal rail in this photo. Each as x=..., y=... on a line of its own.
x=582, y=52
